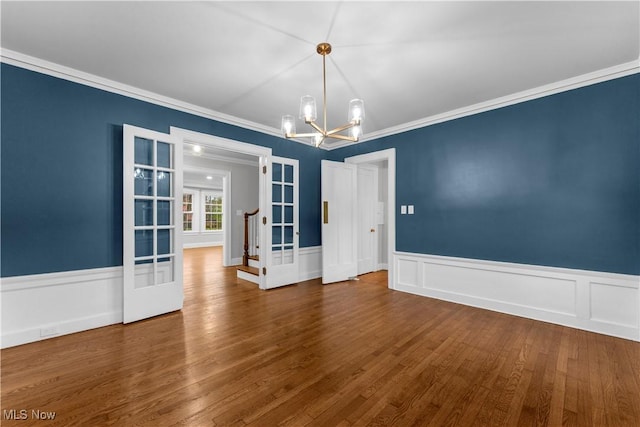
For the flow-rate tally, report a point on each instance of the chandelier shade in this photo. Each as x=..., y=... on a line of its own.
x=309, y=113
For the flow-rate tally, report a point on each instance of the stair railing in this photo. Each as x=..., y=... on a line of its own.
x=251, y=241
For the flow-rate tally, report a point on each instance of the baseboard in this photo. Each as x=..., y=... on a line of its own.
x=310, y=263
x=235, y=261
x=42, y=306
x=600, y=302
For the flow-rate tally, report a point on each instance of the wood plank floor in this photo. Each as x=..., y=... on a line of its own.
x=351, y=353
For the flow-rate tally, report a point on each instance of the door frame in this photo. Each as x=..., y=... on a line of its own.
x=390, y=156
x=263, y=153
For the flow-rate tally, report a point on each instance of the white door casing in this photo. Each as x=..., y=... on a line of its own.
x=367, y=195
x=152, y=224
x=339, y=219
x=388, y=155
x=282, y=257
x=264, y=156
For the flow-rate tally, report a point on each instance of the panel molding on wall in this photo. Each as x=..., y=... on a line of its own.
x=41, y=306
x=606, y=303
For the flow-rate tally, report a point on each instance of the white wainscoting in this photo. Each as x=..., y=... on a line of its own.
x=42, y=306
x=310, y=266
x=606, y=303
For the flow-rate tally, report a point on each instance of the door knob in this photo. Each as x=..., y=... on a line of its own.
x=373, y=230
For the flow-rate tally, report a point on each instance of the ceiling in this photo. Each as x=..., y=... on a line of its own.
x=251, y=61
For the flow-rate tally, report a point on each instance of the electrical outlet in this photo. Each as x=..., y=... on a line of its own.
x=49, y=331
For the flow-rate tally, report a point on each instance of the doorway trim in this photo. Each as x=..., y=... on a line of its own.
x=263, y=153
x=390, y=156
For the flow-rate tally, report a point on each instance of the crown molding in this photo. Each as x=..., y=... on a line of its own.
x=45, y=67
x=598, y=76
x=56, y=70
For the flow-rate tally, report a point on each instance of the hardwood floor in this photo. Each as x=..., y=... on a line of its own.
x=352, y=353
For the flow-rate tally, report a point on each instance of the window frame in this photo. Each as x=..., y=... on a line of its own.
x=199, y=213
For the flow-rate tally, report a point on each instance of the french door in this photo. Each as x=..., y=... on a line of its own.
x=283, y=262
x=152, y=224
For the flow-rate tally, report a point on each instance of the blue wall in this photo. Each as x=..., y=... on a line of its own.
x=554, y=181
x=61, y=171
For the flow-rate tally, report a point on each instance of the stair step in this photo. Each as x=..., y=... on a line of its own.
x=254, y=257
x=249, y=269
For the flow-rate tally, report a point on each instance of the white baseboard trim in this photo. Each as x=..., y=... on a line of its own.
x=200, y=245
x=41, y=306
x=235, y=261
x=605, y=303
x=310, y=265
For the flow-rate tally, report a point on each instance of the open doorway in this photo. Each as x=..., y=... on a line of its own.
x=236, y=166
x=376, y=219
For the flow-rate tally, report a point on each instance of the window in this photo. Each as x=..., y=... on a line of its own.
x=201, y=210
x=212, y=212
x=187, y=211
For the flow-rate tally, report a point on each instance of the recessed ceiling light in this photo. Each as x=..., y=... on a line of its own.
x=209, y=177
x=197, y=149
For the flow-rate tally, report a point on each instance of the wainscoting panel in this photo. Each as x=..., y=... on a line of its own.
x=44, y=306
x=310, y=266
x=600, y=302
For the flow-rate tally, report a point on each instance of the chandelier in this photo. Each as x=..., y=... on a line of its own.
x=308, y=113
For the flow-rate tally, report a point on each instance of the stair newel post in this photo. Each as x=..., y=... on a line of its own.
x=245, y=256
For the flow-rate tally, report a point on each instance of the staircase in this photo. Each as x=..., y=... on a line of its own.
x=249, y=270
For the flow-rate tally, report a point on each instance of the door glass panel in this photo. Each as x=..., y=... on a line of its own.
x=164, y=155
x=143, y=185
x=144, y=243
x=277, y=172
x=288, y=234
x=276, y=235
x=288, y=174
x=277, y=193
x=288, y=214
x=166, y=270
x=277, y=214
x=143, y=151
x=165, y=242
x=164, y=212
x=288, y=194
x=144, y=212
x=164, y=184
x=144, y=275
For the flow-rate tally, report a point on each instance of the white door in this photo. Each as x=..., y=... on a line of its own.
x=283, y=263
x=152, y=224
x=339, y=220
x=367, y=219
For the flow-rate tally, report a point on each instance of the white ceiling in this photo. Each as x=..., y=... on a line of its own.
x=253, y=60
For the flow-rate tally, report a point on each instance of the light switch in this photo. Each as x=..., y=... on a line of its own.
x=239, y=212
x=410, y=209
x=403, y=210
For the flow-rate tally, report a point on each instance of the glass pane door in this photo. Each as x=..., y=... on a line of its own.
x=152, y=257
x=284, y=222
